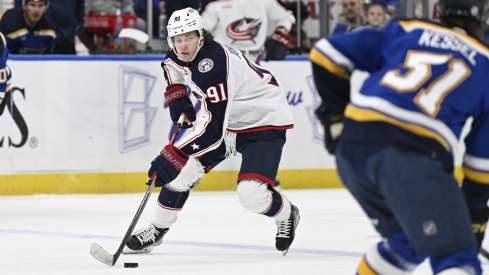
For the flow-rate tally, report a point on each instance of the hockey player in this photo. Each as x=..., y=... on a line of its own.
x=396, y=140
x=27, y=29
x=243, y=109
x=243, y=24
x=5, y=74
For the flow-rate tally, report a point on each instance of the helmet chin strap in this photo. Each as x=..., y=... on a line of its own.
x=199, y=45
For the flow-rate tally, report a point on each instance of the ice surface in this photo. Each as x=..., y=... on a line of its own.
x=52, y=234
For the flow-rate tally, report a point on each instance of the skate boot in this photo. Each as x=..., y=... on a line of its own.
x=286, y=230
x=145, y=239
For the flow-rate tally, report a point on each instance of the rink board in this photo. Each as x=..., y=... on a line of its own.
x=92, y=124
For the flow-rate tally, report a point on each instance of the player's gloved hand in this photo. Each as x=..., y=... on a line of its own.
x=277, y=45
x=168, y=165
x=333, y=126
x=177, y=99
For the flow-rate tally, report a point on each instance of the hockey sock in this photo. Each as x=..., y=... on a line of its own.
x=462, y=262
x=392, y=256
x=170, y=203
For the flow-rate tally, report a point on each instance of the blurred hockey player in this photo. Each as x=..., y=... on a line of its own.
x=396, y=140
x=5, y=74
x=243, y=109
x=27, y=29
x=243, y=24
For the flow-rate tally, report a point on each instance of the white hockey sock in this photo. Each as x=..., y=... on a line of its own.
x=163, y=217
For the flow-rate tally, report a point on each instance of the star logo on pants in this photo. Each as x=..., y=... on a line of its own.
x=195, y=146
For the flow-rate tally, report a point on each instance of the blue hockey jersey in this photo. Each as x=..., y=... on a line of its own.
x=425, y=81
x=23, y=39
x=5, y=74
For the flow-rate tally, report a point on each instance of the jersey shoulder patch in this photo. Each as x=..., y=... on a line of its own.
x=205, y=65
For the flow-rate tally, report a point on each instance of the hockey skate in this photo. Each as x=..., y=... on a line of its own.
x=145, y=239
x=286, y=230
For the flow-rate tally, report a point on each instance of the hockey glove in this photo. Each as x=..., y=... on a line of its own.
x=277, y=45
x=177, y=99
x=333, y=126
x=168, y=165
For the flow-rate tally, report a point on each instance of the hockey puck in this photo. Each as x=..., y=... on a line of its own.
x=130, y=265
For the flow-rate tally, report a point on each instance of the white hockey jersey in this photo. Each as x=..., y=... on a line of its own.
x=235, y=95
x=243, y=24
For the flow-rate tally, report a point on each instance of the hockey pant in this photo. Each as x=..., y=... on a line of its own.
x=421, y=213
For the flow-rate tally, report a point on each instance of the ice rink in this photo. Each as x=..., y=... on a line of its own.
x=52, y=234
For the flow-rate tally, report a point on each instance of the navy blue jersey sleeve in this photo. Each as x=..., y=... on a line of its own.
x=209, y=73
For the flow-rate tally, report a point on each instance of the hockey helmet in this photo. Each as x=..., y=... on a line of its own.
x=183, y=21
x=470, y=9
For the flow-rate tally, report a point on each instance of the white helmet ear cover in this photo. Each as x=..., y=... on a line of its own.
x=183, y=21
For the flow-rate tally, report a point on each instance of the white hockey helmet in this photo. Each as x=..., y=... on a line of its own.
x=183, y=21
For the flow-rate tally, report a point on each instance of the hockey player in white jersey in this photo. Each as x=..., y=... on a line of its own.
x=243, y=24
x=243, y=109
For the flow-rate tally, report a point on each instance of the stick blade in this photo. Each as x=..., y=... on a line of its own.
x=137, y=35
x=101, y=254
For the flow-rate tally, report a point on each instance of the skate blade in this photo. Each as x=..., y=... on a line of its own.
x=284, y=252
x=127, y=250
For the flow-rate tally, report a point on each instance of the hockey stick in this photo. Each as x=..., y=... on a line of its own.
x=99, y=252
x=137, y=35
x=484, y=253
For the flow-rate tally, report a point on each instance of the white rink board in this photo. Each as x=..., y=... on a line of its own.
x=71, y=117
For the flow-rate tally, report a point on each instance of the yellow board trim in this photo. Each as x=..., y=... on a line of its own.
x=117, y=183
x=359, y=114
x=321, y=60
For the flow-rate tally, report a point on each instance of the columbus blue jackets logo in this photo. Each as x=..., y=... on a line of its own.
x=244, y=29
x=205, y=65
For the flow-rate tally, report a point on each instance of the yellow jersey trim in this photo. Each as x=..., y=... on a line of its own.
x=320, y=59
x=476, y=176
x=408, y=24
x=365, y=115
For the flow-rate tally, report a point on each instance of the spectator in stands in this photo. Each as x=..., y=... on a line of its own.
x=66, y=15
x=111, y=7
x=376, y=15
x=28, y=30
x=351, y=17
x=6, y=5
x=389, y=5
x=141, y=11
x=305, y=41
x=173, y=5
